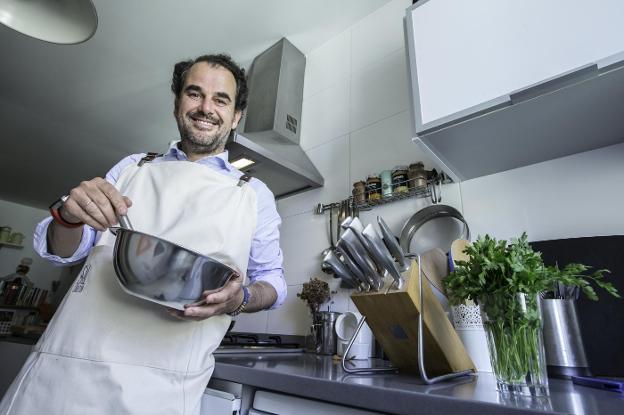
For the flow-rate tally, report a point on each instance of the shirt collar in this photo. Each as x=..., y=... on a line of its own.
x=221, y=159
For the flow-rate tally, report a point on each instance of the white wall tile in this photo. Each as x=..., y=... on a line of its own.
x=252, y=322
x=378, y=34
x=574, y=196
x=293, y=317
x=382, y=146
x=328, y=64
x=379, y=91
x=331, y=160
x=325, y=115
x=303, y=239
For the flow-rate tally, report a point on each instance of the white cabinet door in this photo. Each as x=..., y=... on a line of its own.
x=467, y=55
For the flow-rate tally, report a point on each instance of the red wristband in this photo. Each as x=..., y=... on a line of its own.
x=54, y=210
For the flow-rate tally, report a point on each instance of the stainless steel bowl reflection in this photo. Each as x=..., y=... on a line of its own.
x=164, y=272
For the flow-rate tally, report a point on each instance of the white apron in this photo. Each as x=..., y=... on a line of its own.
x=106, y=352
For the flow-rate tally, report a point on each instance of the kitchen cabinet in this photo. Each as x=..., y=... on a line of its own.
x=500, y=84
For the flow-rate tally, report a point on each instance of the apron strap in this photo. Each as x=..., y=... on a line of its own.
x=148, y=158
x=243, y=179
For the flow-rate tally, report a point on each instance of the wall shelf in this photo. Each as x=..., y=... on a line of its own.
x=10, y=245
x=433, y=190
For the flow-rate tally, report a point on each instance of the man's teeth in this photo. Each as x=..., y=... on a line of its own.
x=205, y=122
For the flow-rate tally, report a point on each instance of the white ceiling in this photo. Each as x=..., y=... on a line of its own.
x=68, y=113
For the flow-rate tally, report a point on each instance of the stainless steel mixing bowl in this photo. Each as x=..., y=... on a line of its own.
x=157, y=270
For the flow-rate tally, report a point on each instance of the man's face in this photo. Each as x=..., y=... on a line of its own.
x=205, y=113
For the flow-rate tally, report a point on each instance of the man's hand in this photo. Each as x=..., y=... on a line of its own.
x=226, y=300
x=95, y=202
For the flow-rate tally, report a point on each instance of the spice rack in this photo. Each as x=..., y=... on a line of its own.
x=433, y=190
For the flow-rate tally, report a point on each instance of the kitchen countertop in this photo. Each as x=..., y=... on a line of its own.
x=321, y=377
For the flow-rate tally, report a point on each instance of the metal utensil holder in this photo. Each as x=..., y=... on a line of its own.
x=421, y=346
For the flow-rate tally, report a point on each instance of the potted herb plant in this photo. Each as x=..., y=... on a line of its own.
x=506, y=281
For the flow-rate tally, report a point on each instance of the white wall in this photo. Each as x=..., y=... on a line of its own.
x=24, y=219
x=356, y=121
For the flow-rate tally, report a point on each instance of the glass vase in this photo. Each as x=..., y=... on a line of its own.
x=513, y=325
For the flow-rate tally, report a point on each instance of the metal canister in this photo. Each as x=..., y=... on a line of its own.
x=373, y=187
x=327, y=335
x=386, y=183
x=359, y=192
x=5, y=233
x=417, y=175
x=399, y=179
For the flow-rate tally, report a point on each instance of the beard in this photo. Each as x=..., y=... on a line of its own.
x=197, y=141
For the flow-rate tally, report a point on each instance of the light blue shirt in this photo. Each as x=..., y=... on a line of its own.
x=265, y=257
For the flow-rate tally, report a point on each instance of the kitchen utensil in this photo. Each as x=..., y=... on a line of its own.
x=342, y=215
x=327, y=334
x=358, y=253
x=440, y=235
x=353, y=267
x=612, y=385
x=563, y=343
x=163, y=272
x=340, y=269
x=382, y=255
x=324, y=266
x=435, y=268
x=346, y=327
x=392, y=245
x=356, y=227
x=458, y=246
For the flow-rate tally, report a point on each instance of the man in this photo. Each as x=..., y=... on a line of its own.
x=108, y=352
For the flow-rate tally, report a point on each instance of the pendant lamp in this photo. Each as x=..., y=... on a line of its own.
x=54, y=21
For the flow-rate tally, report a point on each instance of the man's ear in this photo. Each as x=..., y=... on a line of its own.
x=237, y=118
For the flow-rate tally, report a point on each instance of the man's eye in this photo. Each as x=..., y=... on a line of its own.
x=193, y=95
x=221, y=102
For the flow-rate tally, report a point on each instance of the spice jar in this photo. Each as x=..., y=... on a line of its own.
x=399, y=179
x=417, y=175
x=373, y=187
x=359, y=192
x=386, y=183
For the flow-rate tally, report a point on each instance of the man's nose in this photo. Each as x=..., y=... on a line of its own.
x=207, y=106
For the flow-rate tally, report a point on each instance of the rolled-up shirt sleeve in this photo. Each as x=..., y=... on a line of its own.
x=265, y=258
x=89, y=235
x=40, y=243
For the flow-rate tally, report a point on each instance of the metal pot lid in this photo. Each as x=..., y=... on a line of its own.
x=435, y=226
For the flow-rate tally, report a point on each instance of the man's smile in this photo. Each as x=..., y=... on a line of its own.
x=204, y=123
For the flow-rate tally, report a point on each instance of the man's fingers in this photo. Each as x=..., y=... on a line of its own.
x=97, y=203
x=226, y=293
x=117, y=201
x=76, y=206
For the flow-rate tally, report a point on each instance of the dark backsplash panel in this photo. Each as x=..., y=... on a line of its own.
x=602, y=321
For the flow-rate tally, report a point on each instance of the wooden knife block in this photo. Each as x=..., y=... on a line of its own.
x=393, y=318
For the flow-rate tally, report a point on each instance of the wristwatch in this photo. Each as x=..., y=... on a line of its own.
x=56, y=214
x=241, y=307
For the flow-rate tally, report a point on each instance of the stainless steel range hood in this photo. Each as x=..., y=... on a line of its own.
x=269, y=132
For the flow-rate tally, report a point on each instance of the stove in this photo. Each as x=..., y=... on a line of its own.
x=239, y=343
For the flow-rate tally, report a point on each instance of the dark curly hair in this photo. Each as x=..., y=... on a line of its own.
x=180, y=71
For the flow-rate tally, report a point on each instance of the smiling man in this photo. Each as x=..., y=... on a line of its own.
x=107, y=352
